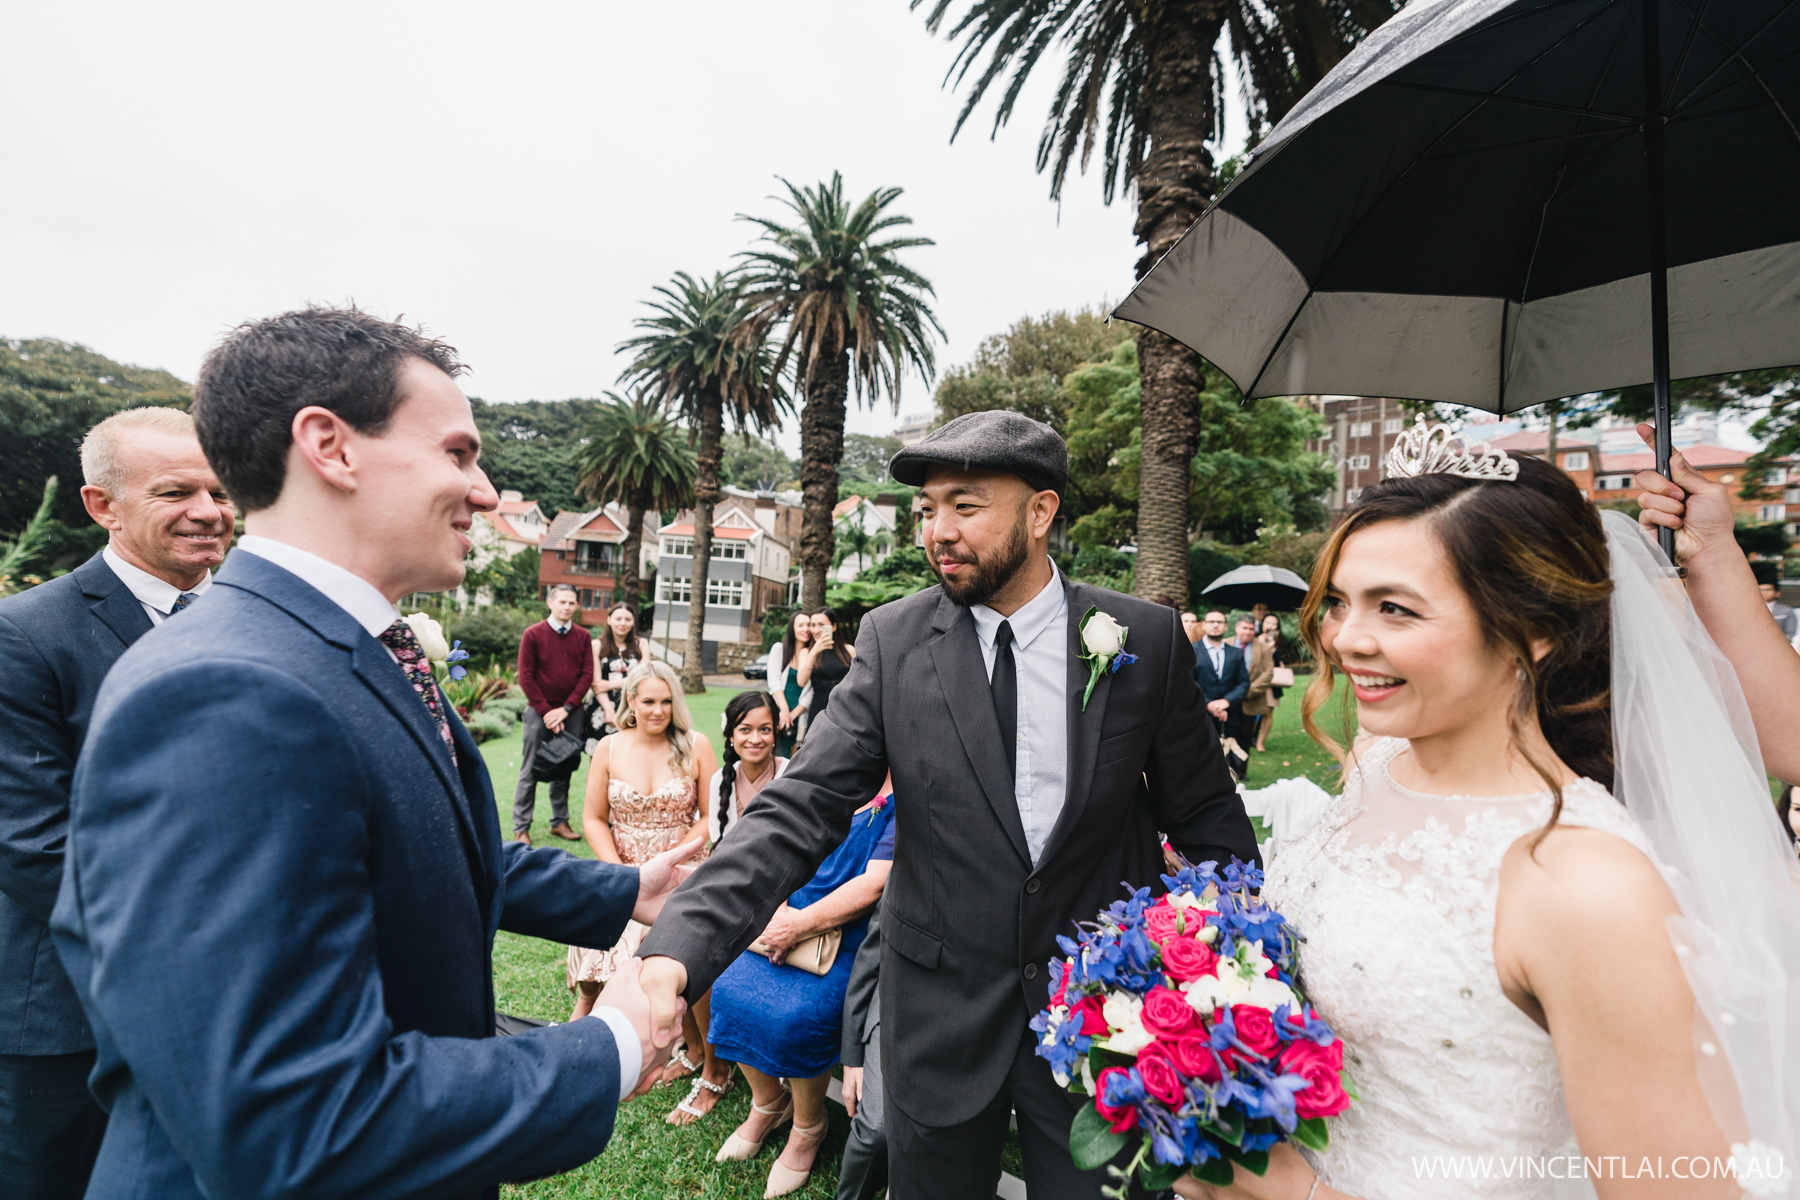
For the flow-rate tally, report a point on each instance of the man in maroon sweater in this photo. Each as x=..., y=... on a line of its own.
x=556, y=667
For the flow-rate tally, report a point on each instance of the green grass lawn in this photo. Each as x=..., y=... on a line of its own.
x=649, y=1160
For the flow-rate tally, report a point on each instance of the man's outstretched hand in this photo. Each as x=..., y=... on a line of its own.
x=660, y=876
x=624, y=992
x=663, y=981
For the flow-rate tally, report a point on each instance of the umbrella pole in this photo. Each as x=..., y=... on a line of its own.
x=1654, y=143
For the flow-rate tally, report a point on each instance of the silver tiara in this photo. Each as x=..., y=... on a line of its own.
x=1434, y=450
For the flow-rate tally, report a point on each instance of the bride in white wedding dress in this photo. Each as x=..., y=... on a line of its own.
x=1542, y=990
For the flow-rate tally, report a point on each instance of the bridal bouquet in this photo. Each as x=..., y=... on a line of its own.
x=1181, y=1018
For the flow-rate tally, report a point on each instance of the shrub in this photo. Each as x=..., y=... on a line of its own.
x=487, y=725
x=491, y=635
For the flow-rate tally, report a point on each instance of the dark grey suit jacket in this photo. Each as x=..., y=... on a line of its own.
x=967, y=924
x=57, y=642
x=862, y=1007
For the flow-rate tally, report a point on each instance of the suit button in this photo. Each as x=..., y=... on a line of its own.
x=1032, y=886
x=1031, y=970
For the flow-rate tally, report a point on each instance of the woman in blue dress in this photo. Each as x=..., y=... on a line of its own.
x=779, y=1022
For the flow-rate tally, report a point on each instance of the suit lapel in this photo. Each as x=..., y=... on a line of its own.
x=478, y=796
x=385, y=678
x=1084, y=727
x=111, y=601
x=962, y=674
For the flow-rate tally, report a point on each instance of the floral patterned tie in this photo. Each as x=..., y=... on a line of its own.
x=182, y=601
x=400, y=638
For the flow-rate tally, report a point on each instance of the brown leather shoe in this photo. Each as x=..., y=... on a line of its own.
x=522, y=837
x=564, y=832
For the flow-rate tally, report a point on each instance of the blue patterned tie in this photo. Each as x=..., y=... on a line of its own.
x=182, y=601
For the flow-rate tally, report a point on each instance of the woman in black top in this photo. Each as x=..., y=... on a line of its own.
x=616, y=652
x=831, y=661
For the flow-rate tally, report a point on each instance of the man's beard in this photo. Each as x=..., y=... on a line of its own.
x=985, y=577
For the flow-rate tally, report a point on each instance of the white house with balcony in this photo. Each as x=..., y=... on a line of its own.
x=870, y=524
x=747, y=573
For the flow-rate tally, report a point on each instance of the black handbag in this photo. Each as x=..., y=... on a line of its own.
x=559, y=755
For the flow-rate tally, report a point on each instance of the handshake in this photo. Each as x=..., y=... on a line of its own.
x=648, y=992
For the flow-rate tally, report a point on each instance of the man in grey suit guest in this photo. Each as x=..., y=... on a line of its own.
x=168, y=523
x=1024, y=807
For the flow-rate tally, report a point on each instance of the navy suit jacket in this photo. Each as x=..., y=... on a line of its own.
x=57, y=642
x=278, y=911
x=1233, y=683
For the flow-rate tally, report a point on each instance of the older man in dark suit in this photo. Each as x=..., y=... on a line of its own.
x=1025, y=803
x=168, y=523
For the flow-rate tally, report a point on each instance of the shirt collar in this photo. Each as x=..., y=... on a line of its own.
x=552, y=623
x=1033, y=617
x=346, y=589
x=159, y=594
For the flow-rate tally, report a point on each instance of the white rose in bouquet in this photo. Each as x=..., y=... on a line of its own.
x=431, y=636
x=1102, y=635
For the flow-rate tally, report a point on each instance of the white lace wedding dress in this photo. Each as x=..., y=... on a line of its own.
x=1394, y=892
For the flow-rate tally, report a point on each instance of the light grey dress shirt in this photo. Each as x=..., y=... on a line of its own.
x=1041, y=653
x=375, y=612
x=158, y=596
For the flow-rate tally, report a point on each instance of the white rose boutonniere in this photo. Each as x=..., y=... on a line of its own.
x=439, y=651
x=1102, y=648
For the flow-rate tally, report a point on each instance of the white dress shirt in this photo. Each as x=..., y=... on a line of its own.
x=375, y=612
x=1216, y=652
x=1041, y=652
x=158, y=596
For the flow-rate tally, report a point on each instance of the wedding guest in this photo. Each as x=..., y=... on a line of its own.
x=283, y=875
x=831, y=661
x=779, y=1022
x=1260, y=663
x=616, y=651
x=1244, y=632
x=1190, y=625
x=786, y=660
x=168, y=522
x=556, y=667
x=644, y=793
x=1728, y=600
x=750, y=760
x=1271, y=629
x=1220, y=671
x=1785, y=617
x=864, y=1171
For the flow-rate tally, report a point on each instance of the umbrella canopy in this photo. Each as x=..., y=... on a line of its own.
x=1473, y=208
x=1277, y=587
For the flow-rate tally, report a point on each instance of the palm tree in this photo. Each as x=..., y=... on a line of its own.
x=692, y=359
x=1143, y=79
x=853, y=313
x=634, y=454
x=859, y=543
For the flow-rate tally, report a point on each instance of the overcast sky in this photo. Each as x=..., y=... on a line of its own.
x=516, y=176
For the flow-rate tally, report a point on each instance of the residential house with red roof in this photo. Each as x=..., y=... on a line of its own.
x=747, y=573
x=585, y=550
x=1578, y=456
x=1779, y=498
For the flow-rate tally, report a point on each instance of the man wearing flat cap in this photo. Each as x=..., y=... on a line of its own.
x=1020, y=807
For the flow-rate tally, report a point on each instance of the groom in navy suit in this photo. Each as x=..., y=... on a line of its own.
x=284, y=868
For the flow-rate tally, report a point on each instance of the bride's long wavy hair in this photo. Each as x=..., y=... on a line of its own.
x=1531, y=556
x=681, y=721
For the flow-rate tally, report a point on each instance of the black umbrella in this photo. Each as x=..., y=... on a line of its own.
x=1277, y=587
x=1501, y=202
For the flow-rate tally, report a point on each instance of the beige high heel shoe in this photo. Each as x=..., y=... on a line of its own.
x=783, y=1179
x=742, y=1149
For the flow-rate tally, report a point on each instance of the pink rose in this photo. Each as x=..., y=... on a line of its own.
x=1122, y=1119
x=1192, y=1058
x=1185, y=959
x=1323, y=1095
x=1159, y=921
x=1159, y=1075
x=1087, y=1010
x=1255, y=1028
x=1166, y=1013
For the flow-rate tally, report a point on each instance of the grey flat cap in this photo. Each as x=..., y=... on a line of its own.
x=996, y=440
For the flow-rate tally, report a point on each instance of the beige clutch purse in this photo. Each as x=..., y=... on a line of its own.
x=1283, y=678
x=814, y=955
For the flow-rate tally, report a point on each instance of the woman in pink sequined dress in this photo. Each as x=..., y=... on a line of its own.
x=645, y=793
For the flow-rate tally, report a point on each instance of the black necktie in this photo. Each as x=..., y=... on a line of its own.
x=1005, y=684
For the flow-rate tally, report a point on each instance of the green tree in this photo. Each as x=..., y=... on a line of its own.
x=16, y=552
x=633, y=454
x=856, y=540
x=693, y=359
x=756, y=463
x=510, y=580
x=51, y=394
x=1140, y=81
x=1022, y=370
x=866, y=458
x=531, y=447
x=850, y=313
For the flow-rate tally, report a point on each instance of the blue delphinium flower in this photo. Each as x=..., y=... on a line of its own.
x=457, y=655
x=1122, y=659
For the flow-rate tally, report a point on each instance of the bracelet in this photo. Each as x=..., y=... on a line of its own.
x=1314, y=1188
